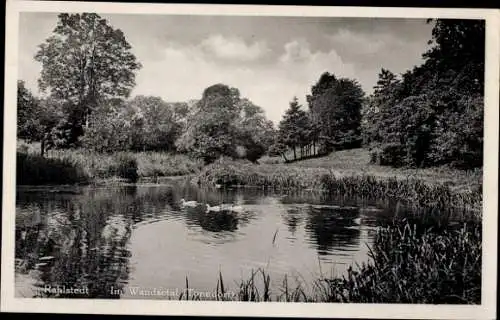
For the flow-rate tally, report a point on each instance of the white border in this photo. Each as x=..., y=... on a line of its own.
x=484, y=311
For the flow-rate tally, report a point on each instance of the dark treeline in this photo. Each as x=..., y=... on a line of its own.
x=430, y=115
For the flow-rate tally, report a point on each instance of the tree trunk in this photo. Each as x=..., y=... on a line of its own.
x=294, y=154
x=42, y=147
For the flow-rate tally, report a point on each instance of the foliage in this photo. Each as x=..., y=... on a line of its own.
x=144, y=123
x=161, y=164
x=447, y=270
x=160, y=128
x=33, y=169
x=293, y=129
x=38, y=120
x=114, y=129
x=224, y=124
x=255, y=132
x=434, y=114
x=27, y=105
x=127, y=167
x=335, y=105
x=406, y=265
x=96, y=166
x=412, y=191
x=85, y=63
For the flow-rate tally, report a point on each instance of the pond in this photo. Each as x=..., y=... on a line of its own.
x=140, y=241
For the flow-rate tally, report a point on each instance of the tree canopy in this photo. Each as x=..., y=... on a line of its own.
x=433, y=114
x=85, y=63
x=225, y=124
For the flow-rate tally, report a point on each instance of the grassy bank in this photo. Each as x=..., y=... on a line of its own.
x=406, y=265
x=82, y=166
x=343, y=173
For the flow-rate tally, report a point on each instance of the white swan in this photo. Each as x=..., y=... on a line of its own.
x=191, y=204
x=224, y=207
x=357, y=221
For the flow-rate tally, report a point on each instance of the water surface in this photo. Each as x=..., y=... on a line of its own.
x=110, y=242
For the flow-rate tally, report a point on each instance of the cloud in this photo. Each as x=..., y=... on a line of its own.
x=234, y=48
x=184, y=71
x=362, y=43
x=304, y=65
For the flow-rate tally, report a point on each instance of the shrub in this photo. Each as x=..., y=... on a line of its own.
x=127, y=167
x=37, y=170
x=392, y=154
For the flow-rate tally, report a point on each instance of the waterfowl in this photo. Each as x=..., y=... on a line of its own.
x=237, y=208
x=185, y=203
x=213, y=209
x=357, y=221
x=224, y=207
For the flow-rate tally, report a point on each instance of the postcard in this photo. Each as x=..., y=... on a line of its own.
x=297, y=161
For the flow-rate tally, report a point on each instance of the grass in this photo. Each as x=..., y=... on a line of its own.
x=87, y=166
x=343, y=173
x=407, y=265
x=35, y=170
x=347, y=173
x=357, y=162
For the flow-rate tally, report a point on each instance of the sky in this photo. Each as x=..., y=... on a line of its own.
x=269, y=59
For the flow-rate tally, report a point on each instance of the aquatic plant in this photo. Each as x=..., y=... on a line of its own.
x=406, y=189
x=97, y=166
x=36, y=170
x=127, y=167
x=407, y=265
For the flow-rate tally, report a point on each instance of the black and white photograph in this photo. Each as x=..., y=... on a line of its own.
x=178, y=156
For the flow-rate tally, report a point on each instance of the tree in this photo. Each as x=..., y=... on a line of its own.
x=224, y=124
x=255, y=132
x=38, y=120
x=211, y=130
x=116, y=127
x=434, y=116
x=293, y=128
x=335, y=105
x=160, y=128
x=84, y=64
x=27, y=105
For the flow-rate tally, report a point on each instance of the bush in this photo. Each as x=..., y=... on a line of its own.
x=393, y=155
x=127, y=167
x=37, y=170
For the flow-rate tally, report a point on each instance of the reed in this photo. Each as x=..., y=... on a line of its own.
x=36, y=170
x=406, y=264
x=410, y=190
x=101, y=166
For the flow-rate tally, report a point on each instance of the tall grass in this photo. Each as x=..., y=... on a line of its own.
x=407, y=265
x=408, y=190
x=99, y=166
x=159, y=164
x=36, y=170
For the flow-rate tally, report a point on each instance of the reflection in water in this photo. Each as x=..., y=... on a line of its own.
x=333, y=229
x=292, y=219
x=213, y=222
x=104, y=240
